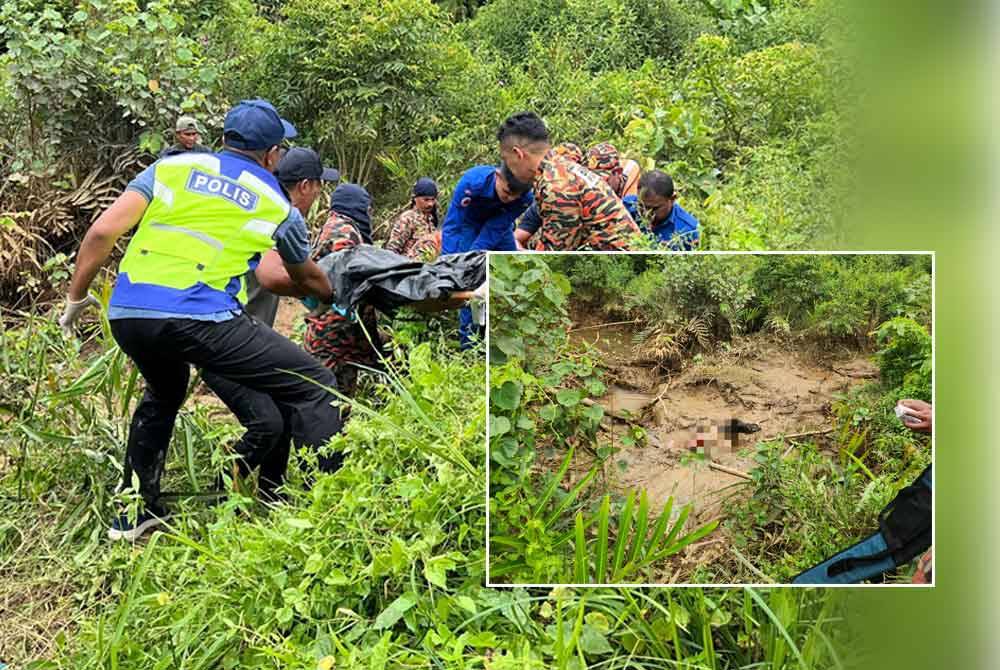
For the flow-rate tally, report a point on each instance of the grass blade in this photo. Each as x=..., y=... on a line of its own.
x=778, y=625
x=570, y=497
x=550, y=489
x=624, y=532
x=661, y=526
x=641, y=526
x=580, y=561
x=602, y=539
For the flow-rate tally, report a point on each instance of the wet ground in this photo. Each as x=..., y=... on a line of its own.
x=780, y=386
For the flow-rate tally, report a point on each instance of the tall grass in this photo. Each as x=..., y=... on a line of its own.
x=380, y=565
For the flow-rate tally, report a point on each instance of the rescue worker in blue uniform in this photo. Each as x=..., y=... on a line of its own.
x=663, y=216
x=486, y=202
x=202, y=220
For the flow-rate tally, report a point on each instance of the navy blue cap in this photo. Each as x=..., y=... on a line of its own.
x=425, y=187
x=255, y=124
x=300, y=163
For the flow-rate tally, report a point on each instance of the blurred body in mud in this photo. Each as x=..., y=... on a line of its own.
x=202, y=221
x=187, y=137
x=719, y=437
x=339, y=340
x=414, y=233
x=663, y=216
x=267, y=441
x=486, y=202
x=578, y=209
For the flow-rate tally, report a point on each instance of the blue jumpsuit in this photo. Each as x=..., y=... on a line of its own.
x=477, y=220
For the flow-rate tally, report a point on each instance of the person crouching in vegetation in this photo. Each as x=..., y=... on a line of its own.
x=919, y=417
x=578, y=209
x=414, y=233
x=665, y=218
x=603, y=160
x=267, y=441
x=202, y=220
x=486, y=202
x=335, y=339
x=528, y=223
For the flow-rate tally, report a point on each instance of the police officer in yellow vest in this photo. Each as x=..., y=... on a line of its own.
x=203, y=221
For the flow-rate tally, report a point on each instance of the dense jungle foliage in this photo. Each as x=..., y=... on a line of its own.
x=795, y=511
x=735, y=98
x=381, y=565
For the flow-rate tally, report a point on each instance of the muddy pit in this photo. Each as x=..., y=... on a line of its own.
x=784, y=388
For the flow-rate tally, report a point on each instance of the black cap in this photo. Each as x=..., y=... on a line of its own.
x=300, y=163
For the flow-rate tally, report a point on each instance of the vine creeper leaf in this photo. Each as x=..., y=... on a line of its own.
x=395, y=611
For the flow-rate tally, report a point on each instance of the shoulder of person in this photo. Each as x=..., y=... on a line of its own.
x=685, y=216
x=403, y=217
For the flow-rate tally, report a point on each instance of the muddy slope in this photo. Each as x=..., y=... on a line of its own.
x=779, y=386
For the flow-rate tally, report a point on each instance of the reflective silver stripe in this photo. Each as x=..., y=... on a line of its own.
x=163, y=192
x=261, y=227
x=207, y=161
x=258, y=185
x=207, y=239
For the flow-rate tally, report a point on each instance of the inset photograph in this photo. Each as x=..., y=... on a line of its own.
x=710, y=419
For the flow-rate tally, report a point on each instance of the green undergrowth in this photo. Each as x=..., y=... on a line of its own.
x=380, y=565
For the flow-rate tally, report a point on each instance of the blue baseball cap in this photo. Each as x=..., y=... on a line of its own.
x=255, y=124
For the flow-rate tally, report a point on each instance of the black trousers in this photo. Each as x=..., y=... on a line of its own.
x=240, y=350
x=268, y=438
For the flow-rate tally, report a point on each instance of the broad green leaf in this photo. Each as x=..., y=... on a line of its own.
x=466, y=603
x=395, y=611
x=568, y=397
x=314, y=563
x=512, y=346
x=593, y=642
x=548, y=412
x=595, y=413
x=508, y=396
x=499, y=425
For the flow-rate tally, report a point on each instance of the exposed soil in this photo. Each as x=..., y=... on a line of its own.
x=782, y=386
x=290, y=313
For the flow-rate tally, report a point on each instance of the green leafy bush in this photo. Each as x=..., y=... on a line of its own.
x=904, y=355
x=538, y=530
x=527, y=308
x=365, y=78
x=108, y=70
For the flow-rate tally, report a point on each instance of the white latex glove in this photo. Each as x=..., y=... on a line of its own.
x=73, y=311
x=478, y=305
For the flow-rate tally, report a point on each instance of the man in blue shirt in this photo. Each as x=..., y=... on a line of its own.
x=486, y=202
x=483, y=208
x=203, y=222
x=667, y=220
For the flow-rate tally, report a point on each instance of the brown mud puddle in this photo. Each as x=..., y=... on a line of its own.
x=777, y=385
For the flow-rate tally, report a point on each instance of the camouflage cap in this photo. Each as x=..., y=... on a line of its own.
x=570, y=151
x=186, y=123
x=603, y=159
